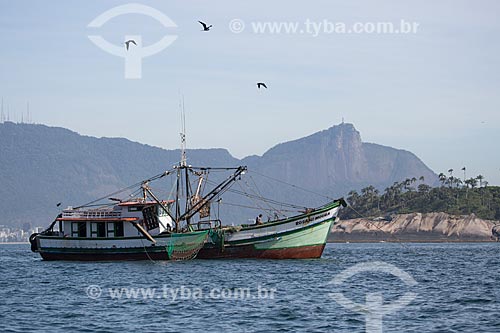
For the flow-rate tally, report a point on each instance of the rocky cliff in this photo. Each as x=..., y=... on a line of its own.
x=336, y=160
x=417, y=227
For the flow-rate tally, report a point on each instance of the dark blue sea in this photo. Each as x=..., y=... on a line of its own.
x=450, y=288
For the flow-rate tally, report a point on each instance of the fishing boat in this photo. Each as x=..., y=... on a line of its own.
x=184, y=226
x=297, y=237
x=138, y=229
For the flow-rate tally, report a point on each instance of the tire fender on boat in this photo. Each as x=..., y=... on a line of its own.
x=34, y=245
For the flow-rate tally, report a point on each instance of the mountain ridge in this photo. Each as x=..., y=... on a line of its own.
x=43, y=165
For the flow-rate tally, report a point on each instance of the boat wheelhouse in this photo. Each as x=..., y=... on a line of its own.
x=114, y=222
x=132, y=230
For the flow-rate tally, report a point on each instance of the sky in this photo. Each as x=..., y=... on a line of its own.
x=433, y=91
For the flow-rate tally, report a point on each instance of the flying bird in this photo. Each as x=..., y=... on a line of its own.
x=127, y=43
x=59, y=204
x=261, y=84
x=205, y=27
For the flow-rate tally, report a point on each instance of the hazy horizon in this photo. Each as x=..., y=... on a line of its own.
x=433, y=92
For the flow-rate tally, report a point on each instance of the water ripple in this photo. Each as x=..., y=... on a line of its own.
x=458, y=287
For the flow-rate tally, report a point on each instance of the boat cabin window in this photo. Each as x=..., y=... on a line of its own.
x=101, y=229
x=97, y=229
x=115, y=229
x=162, y=212
x=134, y=208
x=110, y=229
x=78, y=229
x=119, y=229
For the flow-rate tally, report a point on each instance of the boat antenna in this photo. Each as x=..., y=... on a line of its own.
x=183, y=156
x=183, y=132
x=182, y=163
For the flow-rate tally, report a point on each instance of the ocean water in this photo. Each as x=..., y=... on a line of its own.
x=456, y=288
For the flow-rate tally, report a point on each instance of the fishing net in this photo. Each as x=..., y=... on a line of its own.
x=186, y=246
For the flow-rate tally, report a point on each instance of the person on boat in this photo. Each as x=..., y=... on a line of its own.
x=258, y=219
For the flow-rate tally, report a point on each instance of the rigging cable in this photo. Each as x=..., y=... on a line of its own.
x=292, y=185
x=272, y=209
x=125, y=189
x=276, y=210
x=258, y=206
x=251, y=207
x=243, y=193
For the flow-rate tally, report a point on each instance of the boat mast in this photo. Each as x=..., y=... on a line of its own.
x=183, y=133
x=187, y=192
x=177, y=207
x=144, y=192
x=182, y=165
x=183, y=157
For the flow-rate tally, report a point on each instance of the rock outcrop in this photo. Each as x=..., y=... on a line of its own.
x=336, y=160
x=417, y=227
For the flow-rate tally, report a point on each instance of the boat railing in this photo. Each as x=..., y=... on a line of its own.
x=212, y=224
x=52, y=233
x=92, y=214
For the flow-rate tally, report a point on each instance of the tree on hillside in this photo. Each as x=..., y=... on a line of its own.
x=466, y=185
x=459, y=197
x=353, y=198
x=450, y=181
x=442, y=178
x=472, y=182
x=480, y=179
